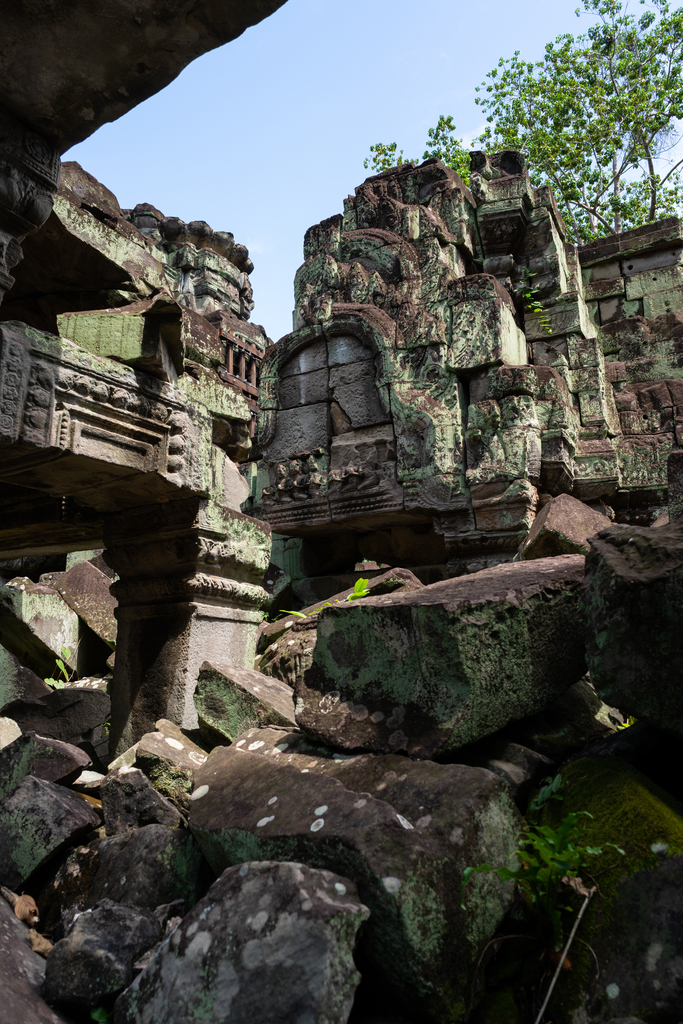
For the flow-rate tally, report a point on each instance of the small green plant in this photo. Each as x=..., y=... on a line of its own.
x=101, y=1015
x=360, y=589
x=551, y=859
x=534, y=306
x=58, y=684
x=627, y=724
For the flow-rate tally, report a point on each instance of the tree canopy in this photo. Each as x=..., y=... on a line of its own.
x=596, y=118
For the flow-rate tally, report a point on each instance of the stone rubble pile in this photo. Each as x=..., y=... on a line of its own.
x=300, y=855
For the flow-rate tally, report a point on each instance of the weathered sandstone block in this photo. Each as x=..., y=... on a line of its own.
x=433, y=670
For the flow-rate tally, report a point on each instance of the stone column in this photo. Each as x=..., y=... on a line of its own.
x=29, y=177
x=189, y=590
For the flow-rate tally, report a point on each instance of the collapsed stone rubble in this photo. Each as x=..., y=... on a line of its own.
x=465, y=485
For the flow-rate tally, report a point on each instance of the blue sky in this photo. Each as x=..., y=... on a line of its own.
x=267, y=135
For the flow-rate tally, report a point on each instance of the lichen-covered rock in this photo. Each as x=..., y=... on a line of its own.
x=16, y=681
x=36, y=624
x=70, y=714
x=286, y=646
x=169, y=759
x=564, y=727
x=130, y=801
x=633, y=601
x=37, y=819
x=149, y=867
x=85, y=588
x=432, y=670
x=402, y=831
x=563, y=527
x=269, y=942
x=632, y=924
x=230, y=699
x=42, y=757
x=65, y=895
x=94, y=961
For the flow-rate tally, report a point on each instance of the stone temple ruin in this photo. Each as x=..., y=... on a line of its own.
x=455, y=363
x=270, y=820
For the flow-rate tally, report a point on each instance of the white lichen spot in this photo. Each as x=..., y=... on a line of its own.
x=299, y=706
x=457, y=836
x=269, y=583
x=244, y=870
x=192, y=929
x=256, y=744
x=359, y=712
x=360, y=803
x=653, y=954
x=273, y=647
x=290, y=643
x=307, y=650
x=612, y=991
x=240, y=743
x=659, y=847
x=317, y=824
x=319, y=811
x=391, y=884
x=176, y=744
x=289, y=624
x=307, y=905
x=264, y=821
x=199, y=792
x=196, y=757
x=259, y=920
x=376, y=717
x=340, y=888
x=404, y=821
x=281, y=747
x=423, y=822
x=272, y=800
x=304, y=771
x=329, y=701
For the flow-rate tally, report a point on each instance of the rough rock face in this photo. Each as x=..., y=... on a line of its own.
x=563, y=527
x=149, y=867
x=130, y=801
x=632, y=602
x=36, y=820
x=69, y=714
x=169, y=760
x=94, y=961
x=268, y=942
x=42, y=757
x=22, y=974
x=286, y=646
x=418, y=943
x=433, y=670
x=79, y=72
x=17, y=682
x=230, y=699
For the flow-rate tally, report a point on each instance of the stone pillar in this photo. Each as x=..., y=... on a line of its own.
x=29, y=177
x=189, y=590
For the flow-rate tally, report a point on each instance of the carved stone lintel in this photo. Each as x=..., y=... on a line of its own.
x=29, y=177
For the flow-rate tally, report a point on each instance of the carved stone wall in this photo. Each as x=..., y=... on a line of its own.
x=455, y=362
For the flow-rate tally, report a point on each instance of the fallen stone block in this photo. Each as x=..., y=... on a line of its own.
x=521, y=768
x=94, y=961
x=86, y=591
x=36, y=624
x=65, y=895
x=430, y=671
x=286, y=646
x=270, y=941
x=565, y=727
x=230, y=699
x=402, y=831
x=169, y=760
x=130, y=801
x=149, y=867
x=22, y=973
x=632, y=602
x=37, y=820
x=563, y=527
x=41, y=757
x=70, y=714
x=17, y=682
